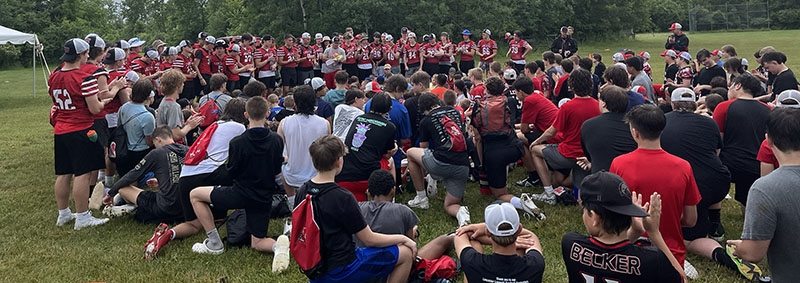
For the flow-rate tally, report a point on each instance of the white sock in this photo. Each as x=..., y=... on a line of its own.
x=275, y=247
x=83, y=215
x=290, y=200
x=421, y=194
x=64, y=212
x=173, y=234
x=101, y=174
x=109, y=179
x=516, y=202
x=548, y=190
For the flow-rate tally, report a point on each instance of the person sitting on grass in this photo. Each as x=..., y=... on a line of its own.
x=381, y=213
x=151, y=206
x=608, y=207
x=253, y=163
x=339, y=219
x=517, y=252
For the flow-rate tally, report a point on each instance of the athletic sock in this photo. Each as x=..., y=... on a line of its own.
x=516, y=202
x=533, y=176
x=720, y=256
x=101, y=175
x=548, y=190
x=714, y=215
x=421, y=194
x=64, y=212
x=290, y=200
x=274, y=246
x=171, y=234
x=214, y=242
x=109, y=180
x=83, y=215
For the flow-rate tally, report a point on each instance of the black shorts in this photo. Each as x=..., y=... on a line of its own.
x=103, y=133
x=496, y=156
x=431, y=69
x=288, y=76
x=531, y=136
x=188, y=183
x=444, y=69
x=233, y=197
x=268, y=81
x=351, y=69
x=364, y=73
x=188, y=90
x=147, y=210
x=207, y=78
x=231, y=85
x=743, y=181
x=465, y=66
x=77, y=154
x=304, y=73
x=127, y=164
x=242, y=82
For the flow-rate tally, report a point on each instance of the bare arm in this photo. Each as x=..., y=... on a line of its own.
x=548, y=134
x=766, y=168
x=95, y=105
x=378, y=240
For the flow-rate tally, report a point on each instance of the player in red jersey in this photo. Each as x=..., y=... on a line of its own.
x=146, y=66
x=487, y=48
x=184, y=63
x=167, y=58
x=217, y=59
x=122, y=44
x=376, y=51
x=413, y=55
x=466, y=51
x=305, y=65
x=77, y=150
x=265, y=62
x=233, y=67
x=401, y=42
x=430, y=63
x=349, y=47
x=392, y=52
x=445, y=52
x=245, y=58
x=135, y=50
x=364, y=58
x=518, y=49
x=287, y=57
x=201, y=63
x=319, y=46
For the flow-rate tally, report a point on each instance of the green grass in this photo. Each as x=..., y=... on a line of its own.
x=34, y=249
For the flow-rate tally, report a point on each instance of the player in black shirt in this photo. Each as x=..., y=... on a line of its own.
x=775, y=64
x=420, y=82
x=606, y=255
x=702, y=81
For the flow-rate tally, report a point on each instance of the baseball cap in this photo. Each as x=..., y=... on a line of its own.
x=757, y=54
x=675, y=26
x=640, y=90
x=336, y=39
x=426, y=37
x=411, y=34
x=94, y=40
x=645, y=54
x=618, y=57
x=326, y=38
x=318, y=35
x=113, y=55
x=627, y=55
x=670, y=53
x=220, y=43
x=683, y=94
x=210, y=39
x=789, y=99
x=389, y=37
x=266, y=37
x=387, y=66
x=72, y=48
x=510, y=74
x=466, y=32
x=122, y=44
x=498, y=214
x=173, y=50
x=132, y=76
x=136, y=42
x=745, y=63
x=507, y=35
x=202, y=35
x=158, y=43
x=305, y=35
x=372, y=86
x=715, y=52
x=183, y=44
x=610, y=192
x=487, y=31
x=152, y=54
x=686, y=55
x=404, y=30
x=564, y=29
x=235, y=48
x=317, y=83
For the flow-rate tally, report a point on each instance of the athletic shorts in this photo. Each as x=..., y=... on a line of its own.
x=188, y=183
x=288, y=76
x=303, y=74
x=207, y=78
x=268, y=81
x=103, y=133
x=147, y=210
x=496, y=156
x=532, y=136
x=233, y=197
x=370, y=263
x=431, y=69
x=742, y=180
x=412, y=68
x=127, y=164
x=359, y=188
x=484, y=66
x=77, y=154
x=444, y=69
x=188, y=90
x=555, y=160
x=454, y=177
x=465, y=66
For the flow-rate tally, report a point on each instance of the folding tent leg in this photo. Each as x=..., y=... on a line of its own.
x=34, y=69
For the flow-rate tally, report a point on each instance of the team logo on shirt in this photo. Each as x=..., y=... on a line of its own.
x=360, y=135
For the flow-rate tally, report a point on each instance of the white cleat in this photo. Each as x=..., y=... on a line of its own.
x=431, y=188
x=64, y=219
x=418, y=202
x=530, y=208
x=463, y=216
x=88, y=222
x=280, y=260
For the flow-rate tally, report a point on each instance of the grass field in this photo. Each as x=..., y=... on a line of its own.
x=35, y=250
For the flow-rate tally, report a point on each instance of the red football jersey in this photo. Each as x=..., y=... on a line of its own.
x=391, y=59
x=230, y=64
x=429, y=51
x=287, y=54
x=365, y=57
x=263, y=55
x=246, y=58
x=413, y=53
x=305, y=52
x=447, y=48
x=131, y=56
x=69, y=90
x=486, y=48
x=376, y=49
x=184, y=64
x=350, y=52
x=517, y=48
x=466, y=46
x=217, y=64
x=142, y=67
x=165, y=66
x=205, y=60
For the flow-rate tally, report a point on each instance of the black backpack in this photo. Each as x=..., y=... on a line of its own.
x=118, y=147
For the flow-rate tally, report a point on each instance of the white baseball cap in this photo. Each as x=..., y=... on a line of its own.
x=487, y=31
x=510, y=74
x=173, y=50
x=318, y=35
x=412, y=34
x=675, y=26
x=132, y=76
x=136, y=42
x=389, y=37
x=183, y=44
x=683, y=94
x=152, y=54
x=210, y=40
x=235, y=48
x=372, y=86
x=317, y=83
x=113, y=55
x=94, y=40
x=305, y=35
x=686, y=55
x=618, y=57
x=789, y=99
x=72, y=48
x=499, y=214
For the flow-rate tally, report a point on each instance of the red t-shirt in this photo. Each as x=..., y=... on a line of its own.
x=365, y=57
x=477, y=92
x=467, y=46
x=429, y=50
x=131, y=56
x=184, y=64
x=644, y=172
x=97, y=72
x=538, y=111
x=376, y=49
x=246, y=58
x=413, y=53
x=205, y=61
x=217, y=64
x=447, y=48
x=230, y=64
x=391, y=59
x=69, y=90
x=517, y=48
x=544, y=83
x=562, y=81
x=568, y=122
x=766, y=155
x=287, y=54
x=350, y=52
x=486, y=48
x=306, y=51
x=537, y=84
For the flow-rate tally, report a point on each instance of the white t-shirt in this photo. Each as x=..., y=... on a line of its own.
x=299, y=131
x=217, y=149
x=343, y=118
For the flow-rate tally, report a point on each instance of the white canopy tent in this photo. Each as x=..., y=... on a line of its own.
x=15, y=37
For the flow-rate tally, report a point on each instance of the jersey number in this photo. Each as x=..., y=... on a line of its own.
x=63, y=99
x=486, y=51
x=514, y=49
x=590, y=279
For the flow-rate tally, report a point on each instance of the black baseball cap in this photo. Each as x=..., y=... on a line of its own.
x=266, y=37
x=610, y=192
x=72, y=48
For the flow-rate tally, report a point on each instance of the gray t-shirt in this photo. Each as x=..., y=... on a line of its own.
x=772, y=210
x=387, y=218
x=643, y=80
x=169, y=113
x=331, y=52
x=222, y=100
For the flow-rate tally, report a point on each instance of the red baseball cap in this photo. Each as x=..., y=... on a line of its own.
x=715, y=52
x=675, y=26
x=628, y=56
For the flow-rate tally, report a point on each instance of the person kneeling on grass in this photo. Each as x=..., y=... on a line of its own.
x=165, y=163
x=517, y=252
x=338, y=216
x=608, y=208
x=381, y=213
x=254, y=162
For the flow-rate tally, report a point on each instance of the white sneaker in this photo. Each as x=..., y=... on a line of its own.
x=280, y=259
x=545, y=197
x=431, y=185
x=530, y=208
x=690, y=271
x=287, y=227
x=463, y=216
x=202, y=248
x=96, y=199
x=64, y=219
x=118, y=200
x=88, y=222
x=119, y=210
x=418, y=202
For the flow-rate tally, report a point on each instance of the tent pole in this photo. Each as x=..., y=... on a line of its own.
x=34, y=70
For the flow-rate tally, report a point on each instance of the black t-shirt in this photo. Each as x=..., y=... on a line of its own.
x=783, y=81
x=743, y=123
x=705, y=75
x=339, y=218
x=695, y=138
x=599, y=69
x=369, y=138
x=412, y=104
x=480, y=267
x=670, y=72
x=432, y=130
x=605, y=137
x=283, y=114
x=255, y=157
x=589, y=260
x=513, y=103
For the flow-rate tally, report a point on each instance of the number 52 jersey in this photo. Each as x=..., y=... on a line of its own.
x=68, y=90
